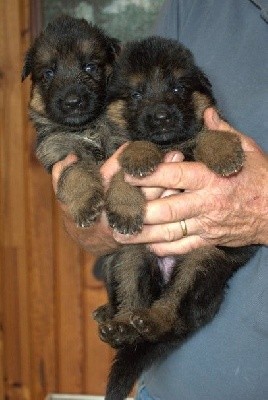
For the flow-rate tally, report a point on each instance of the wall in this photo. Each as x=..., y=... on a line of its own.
x=48, y=341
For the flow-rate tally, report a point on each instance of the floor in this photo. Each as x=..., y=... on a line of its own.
x=74, y=397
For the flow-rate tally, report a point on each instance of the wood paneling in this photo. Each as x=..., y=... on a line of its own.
x=48, y=340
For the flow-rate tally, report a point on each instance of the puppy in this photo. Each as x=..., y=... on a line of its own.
x=70, y=64
x=157, y=96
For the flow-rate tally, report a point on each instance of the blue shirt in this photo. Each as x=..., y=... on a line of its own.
x=228, y=358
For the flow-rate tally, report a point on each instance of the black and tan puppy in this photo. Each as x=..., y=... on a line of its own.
x=158, y=95
x=70, y=64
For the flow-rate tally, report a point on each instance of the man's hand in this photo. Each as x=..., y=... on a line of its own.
x=229, y=211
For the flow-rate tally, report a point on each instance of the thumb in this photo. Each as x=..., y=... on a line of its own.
x=214, y=122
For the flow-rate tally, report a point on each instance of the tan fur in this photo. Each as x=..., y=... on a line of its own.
x=178, y=72
x=86, y=46
x=201, y=103
x=136, y=79
x=36, y=102
x=115, y=113
x=46, y=55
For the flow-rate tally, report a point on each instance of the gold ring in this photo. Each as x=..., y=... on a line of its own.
x=183, y=228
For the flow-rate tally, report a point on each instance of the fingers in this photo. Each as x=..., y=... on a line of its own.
x=152, y=193
x=165, y=233
x=174, y=208
x=213, y=121
x=182, y=175
x=183, y=246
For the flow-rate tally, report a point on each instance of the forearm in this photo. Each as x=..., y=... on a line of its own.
x=97, y=239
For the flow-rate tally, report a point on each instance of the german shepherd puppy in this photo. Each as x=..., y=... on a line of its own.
x=157, y=95
x=70, y=64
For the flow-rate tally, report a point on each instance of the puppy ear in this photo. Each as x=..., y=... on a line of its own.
x=115, y=46
x=28, y=64
x=203, y=79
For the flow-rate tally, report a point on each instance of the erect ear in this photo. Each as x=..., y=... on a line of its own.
x=28, y=64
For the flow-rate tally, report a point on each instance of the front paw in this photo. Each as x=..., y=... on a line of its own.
x=221, y=152
x=124, y=206
x=86, y=211
x=140, y=158
x=83, y=195
x=127, y=224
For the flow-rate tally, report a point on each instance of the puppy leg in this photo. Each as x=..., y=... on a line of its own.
x=191, y=298
x=133, y=282
x=80, y=188
x=124, y=206
x=220, y=151
x=125, y=203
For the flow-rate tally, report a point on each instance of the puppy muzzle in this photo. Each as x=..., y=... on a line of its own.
x=74, y=105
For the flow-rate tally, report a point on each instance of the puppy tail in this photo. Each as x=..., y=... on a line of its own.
x=128, y=365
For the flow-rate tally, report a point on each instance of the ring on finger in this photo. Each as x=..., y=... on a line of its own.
x=183, y=228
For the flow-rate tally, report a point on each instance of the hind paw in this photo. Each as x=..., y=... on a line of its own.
x=117, y=334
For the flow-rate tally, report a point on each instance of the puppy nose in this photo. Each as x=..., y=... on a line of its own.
x=161, y=115
x=72, y=100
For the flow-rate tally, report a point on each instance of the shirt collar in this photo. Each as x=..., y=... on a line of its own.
x=263, y=6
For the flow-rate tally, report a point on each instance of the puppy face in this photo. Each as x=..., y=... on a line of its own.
x=69, y=65
x=157, y=93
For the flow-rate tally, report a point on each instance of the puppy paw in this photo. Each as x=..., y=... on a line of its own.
x=124, y=206
x=232, y=165
x=87, y=213
x=82, y=192
x=125, y=222
x=151, y=324
x=220, y=151
x=143, y=324
x=117, y=334
x=102, y=313
x=140, y=158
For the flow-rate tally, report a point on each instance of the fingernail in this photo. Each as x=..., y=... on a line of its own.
x=174, y=157
x=215, y=117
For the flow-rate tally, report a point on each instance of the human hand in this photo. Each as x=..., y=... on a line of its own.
x=217, y=210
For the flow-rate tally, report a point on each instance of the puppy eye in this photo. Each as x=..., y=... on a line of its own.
x=178, y=89
x=90, y=67
x=136, y=96
x=48, y=74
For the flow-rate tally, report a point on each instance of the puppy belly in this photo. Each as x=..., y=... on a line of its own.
x=166, y=265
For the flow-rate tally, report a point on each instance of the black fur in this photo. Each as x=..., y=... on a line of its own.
x=162, y=96
x=70, y=64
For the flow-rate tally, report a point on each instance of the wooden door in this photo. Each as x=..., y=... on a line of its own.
x=48, y=340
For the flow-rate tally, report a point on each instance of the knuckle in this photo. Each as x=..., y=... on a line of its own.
x=168, y=233
x=159, y=250
x=171, y=211
x=177, y=177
